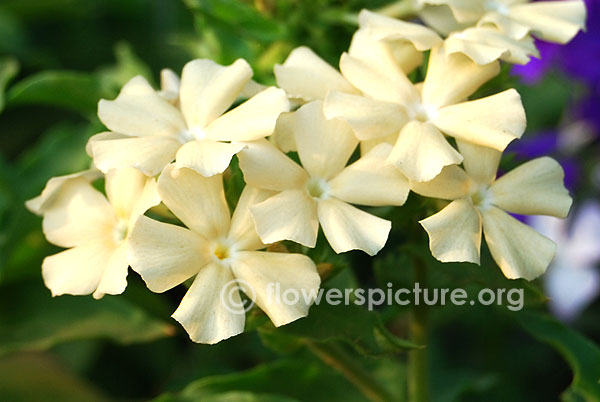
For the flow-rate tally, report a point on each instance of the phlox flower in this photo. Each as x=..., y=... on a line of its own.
x=93, y=228
x=480, y=202
x=321, y=191
x=415, y=117
x=149, y=129
x=502, y=29
x=572, y=281
x=216, y=248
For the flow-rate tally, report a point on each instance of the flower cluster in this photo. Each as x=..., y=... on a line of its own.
x=311, y=151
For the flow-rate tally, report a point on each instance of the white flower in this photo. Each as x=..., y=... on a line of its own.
x=95, y=231
x=53, y=188
x=487, y=44
x=553, y=21
x=322, y=190
x=479, y=201
x=391, y=43
x=148, y=132
x=572, y=281
x=415, y=117
x=216, y=249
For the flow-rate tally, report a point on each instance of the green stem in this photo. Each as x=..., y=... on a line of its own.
x=418, y=376
x=400, y=9
x=336, y=357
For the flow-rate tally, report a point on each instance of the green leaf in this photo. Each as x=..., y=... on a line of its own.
x=242, y=19
x=246, y=397
x=32, y=377
x=9, y=68
x=301, y=379
x=41, y=321
x=582, y=355
x=71, y=90
x=352, y=324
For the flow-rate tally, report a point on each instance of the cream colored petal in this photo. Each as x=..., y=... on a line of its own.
x=147, y=154
x=266, y=167
x=79, y=214
x=492, y=122
x=451, y=78
x=207, y=157
x=348, y=228
x=77, y=271
x=273, y=280
x=289, y=215
x=169, y=85
x=198, y=201
x=465, y=11
x=106, y=135
x=283, y=134
x=123, y=188
x=480, y=163
x=369, y=118
x=147, y=199
x=140, y=111
x=324, y=146
x=208, y=89
x=243, y=231
x=452, y=183
x=504, y=23
x=378, y=83
x=554, y=21
x=440, y=18
x=205, y=311
x=251, y=120
x=421, y=152
x=371, y=181
x=306, y=76
x=114, y=277
x=54, y=187
x=392, y=54
x=165, y=255
x=485, y=45
x=455, y=233
x=252, y=88
x=534, y=188
x=519, y=251
x=367, y=145
x=381, y=27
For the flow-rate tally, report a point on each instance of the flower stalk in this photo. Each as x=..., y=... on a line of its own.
x=334, y=356
x=418, y=373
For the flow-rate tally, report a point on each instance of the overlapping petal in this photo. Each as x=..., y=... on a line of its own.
x=421, y=152
x=371, y=181
x=289, y=215
x=165, y=255
x=272, y=276
x=199, y=202
x=140, y=111
x=348, y=228
x=208, y=89
x=306, y=76
x=324, y=146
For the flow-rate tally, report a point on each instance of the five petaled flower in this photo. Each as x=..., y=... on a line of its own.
x=217, y=249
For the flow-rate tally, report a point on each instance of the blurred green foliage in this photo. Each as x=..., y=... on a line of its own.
x=58, y=58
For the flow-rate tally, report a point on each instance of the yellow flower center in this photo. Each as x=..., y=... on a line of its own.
x=222, y=250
